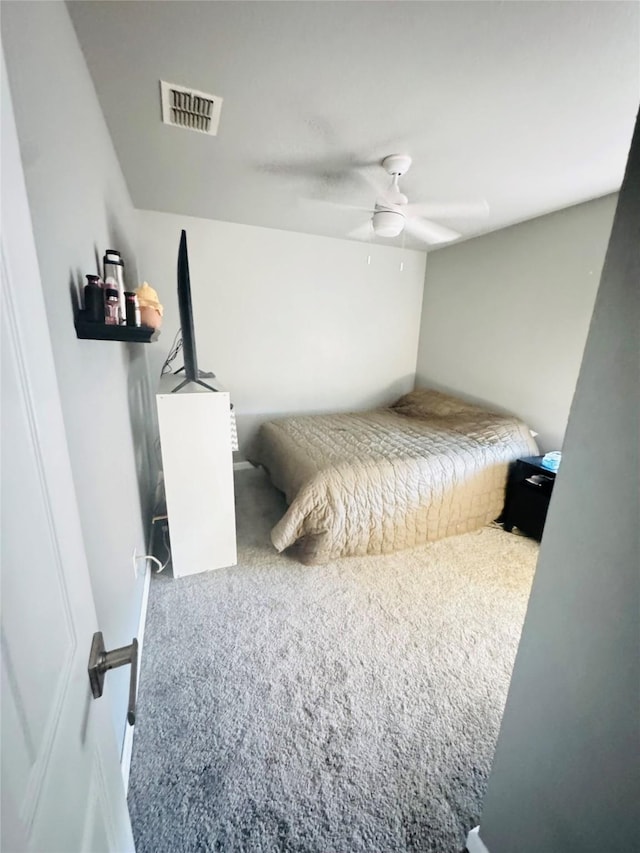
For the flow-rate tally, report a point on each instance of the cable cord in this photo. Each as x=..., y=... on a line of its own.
x=173, y=353
x=167, y=546
x=152, y=558
x=167, y=549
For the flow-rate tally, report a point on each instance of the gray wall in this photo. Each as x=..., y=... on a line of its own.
x=289, y=322
x=80, y=206
x=505, y=316
x=566, y=775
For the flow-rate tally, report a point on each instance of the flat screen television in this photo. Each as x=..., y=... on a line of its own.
x=186, y=319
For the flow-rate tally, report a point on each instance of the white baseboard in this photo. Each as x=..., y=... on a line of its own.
x=244, y=465
x=127, y=744
x=474, y=843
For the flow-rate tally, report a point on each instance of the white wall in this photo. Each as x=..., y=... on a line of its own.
x=80, y=206
x=289, y=322
x=505, y=316
x=566, y=775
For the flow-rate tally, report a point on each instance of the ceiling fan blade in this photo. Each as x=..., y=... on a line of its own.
x=319, y=202
x=362, y=232
x=445, y=210
x=430, y=232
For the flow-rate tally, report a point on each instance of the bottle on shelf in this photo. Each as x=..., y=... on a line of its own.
x=94, y=299
x=132, y=308
x=111, y=307
x=114, y=279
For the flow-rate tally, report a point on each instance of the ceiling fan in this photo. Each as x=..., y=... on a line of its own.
x=392, y=213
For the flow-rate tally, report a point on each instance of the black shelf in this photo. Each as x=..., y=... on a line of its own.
x=102, y=332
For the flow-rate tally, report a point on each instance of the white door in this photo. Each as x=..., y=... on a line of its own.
x=61, y=785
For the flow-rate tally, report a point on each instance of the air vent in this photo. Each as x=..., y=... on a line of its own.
x=188, y=108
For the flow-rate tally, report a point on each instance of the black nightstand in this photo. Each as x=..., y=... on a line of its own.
x=528, y=494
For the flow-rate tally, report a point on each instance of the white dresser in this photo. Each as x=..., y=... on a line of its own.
x=195, y=438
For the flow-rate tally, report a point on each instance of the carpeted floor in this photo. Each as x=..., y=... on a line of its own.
x=347, y=707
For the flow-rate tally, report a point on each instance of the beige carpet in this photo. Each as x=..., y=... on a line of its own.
x=347, y=707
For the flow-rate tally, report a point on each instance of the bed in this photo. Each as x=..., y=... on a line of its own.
x=379, y=481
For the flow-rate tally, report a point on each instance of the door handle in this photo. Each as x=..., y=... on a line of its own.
x=101, y=661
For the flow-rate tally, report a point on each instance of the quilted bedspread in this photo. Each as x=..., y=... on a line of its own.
x=374, y=482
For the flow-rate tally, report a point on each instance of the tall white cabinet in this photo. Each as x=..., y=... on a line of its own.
x=195, y=438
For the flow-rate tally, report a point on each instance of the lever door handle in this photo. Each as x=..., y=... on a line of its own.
x=101, y=661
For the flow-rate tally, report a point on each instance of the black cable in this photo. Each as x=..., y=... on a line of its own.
x=173, y=353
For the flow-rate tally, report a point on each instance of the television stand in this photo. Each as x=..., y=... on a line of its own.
x=198, y=381
x=197, y=463
x=195, y=382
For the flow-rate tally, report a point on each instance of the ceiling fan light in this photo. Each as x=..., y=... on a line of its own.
x=388, y=223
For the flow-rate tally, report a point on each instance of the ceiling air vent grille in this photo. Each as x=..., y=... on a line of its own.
x=188, y=108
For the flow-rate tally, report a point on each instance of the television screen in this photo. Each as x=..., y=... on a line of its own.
x=186, y=312
x=191, y=372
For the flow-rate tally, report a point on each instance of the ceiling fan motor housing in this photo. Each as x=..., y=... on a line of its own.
x=397, y=164
x=388, y=223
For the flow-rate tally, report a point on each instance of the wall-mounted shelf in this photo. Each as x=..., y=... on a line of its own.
x=102, y=332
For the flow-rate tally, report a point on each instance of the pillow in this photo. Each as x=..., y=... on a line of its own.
x=425, y=402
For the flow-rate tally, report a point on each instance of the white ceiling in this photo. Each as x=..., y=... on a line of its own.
x=530, y=105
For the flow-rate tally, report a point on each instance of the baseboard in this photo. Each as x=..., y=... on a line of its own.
x=244, y=465
x=127, y=744
x=474, y=843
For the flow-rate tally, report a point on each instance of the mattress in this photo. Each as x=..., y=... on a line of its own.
x=379, y=481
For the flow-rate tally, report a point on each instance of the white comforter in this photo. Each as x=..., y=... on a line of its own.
x=374, y=482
